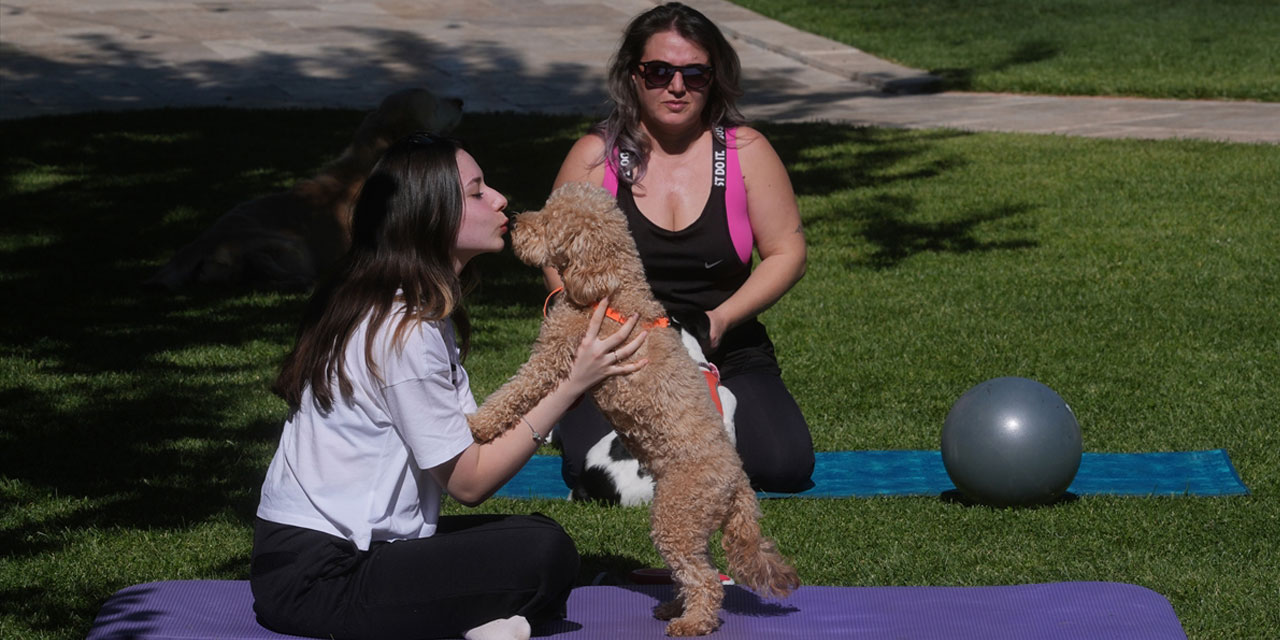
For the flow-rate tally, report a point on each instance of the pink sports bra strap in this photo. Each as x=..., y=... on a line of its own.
x=735, y=201
x=611, y=178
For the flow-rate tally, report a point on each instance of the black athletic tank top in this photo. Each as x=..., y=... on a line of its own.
x=696, y=268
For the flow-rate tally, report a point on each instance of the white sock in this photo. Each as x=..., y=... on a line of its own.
x=513, y=628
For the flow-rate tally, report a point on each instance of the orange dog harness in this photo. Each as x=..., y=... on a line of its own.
x=609, y=312
x=709, y=371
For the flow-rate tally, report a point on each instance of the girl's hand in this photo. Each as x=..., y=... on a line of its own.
x=600, y=358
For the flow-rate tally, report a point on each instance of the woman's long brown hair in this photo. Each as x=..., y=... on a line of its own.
x=403, y=229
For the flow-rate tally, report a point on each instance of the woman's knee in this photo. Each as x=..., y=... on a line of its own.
x=784, y=472
x=547, y=543
x=773, y=436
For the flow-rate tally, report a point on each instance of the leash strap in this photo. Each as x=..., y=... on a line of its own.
x=712, y=374
x=551, y=295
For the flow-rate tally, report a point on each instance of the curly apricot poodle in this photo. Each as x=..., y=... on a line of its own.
x=663, y=413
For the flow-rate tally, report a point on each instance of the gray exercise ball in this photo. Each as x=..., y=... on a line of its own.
x=1011, y=442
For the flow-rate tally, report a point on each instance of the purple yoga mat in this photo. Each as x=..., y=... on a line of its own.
x=1062, y=610
x=181, y=609
x=223, y=609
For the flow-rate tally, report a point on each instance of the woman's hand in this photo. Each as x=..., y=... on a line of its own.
x=717, y=326
x=599, y=358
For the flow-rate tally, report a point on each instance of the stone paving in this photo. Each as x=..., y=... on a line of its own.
x=548, y=56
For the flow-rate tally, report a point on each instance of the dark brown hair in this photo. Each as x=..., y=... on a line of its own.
x=403, y=229
x=621, y=130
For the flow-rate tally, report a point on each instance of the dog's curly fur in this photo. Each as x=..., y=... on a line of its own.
x=287, y=240
x=663, y=412
x=611, y=474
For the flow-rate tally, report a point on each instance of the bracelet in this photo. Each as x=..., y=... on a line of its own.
x=537, y=437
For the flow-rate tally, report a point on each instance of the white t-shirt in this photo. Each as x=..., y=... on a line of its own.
x=358, y=471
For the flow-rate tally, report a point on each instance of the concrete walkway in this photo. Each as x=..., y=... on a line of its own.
x=64, y=56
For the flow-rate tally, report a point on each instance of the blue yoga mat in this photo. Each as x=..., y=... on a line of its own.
x=844, y=474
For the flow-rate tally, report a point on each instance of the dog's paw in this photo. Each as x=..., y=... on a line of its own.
x=689, y=626
x=483, y=428
x=669, y=610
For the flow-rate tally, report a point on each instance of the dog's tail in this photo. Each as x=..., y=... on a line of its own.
x=753, y=558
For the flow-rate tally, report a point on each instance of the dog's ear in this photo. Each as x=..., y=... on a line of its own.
x=586, y=282
x=528, y=239
x=590, y=252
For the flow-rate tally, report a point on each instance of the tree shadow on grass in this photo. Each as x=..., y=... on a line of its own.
x=897, y=238
x=827, y=160
x=824, y=159
x=1029, y=52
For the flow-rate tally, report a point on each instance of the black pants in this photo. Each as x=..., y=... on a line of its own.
x=473, y=570
x=773, y=437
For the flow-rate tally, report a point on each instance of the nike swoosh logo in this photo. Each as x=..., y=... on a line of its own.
x=711, y=265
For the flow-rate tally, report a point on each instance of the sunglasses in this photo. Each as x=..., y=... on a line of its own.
x=658, y=74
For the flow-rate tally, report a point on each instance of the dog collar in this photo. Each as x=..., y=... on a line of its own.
x=609, y=312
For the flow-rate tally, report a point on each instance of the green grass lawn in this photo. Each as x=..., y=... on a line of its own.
x=1171, y=49
x=1139, y=279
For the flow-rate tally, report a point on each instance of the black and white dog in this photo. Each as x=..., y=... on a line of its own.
x=612, y=474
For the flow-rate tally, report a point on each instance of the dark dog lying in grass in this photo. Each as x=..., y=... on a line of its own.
x=289, y=239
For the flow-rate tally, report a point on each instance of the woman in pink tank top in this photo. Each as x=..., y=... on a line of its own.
x=700, y=191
